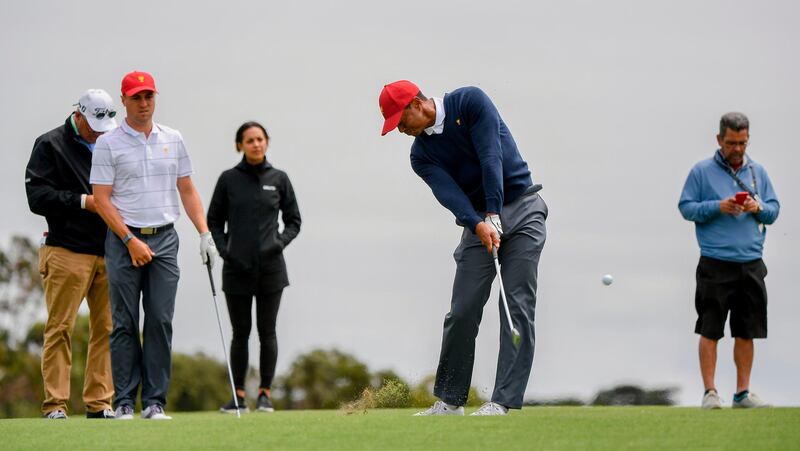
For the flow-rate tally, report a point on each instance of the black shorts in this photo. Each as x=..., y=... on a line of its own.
x=736, y=287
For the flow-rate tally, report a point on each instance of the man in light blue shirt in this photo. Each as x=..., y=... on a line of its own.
x=730, y=199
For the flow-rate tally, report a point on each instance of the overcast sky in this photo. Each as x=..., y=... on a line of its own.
x=611, y=103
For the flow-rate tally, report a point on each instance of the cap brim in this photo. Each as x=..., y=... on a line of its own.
x=391, y=122
x=133, y=91
x=101, y=125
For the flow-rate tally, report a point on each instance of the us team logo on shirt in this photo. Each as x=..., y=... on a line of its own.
x=166, y=150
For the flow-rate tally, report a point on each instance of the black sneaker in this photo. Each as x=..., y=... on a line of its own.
x=230, y=407
x=264, y=404
x=106, y=414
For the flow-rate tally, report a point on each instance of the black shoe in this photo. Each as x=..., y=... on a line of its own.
x=106, y=414
x=230, y=407
x=264, y=404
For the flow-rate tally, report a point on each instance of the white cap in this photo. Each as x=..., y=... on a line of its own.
x=98, y=109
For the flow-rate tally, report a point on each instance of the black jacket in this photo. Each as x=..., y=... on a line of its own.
x=56, y=176
x=248, y=198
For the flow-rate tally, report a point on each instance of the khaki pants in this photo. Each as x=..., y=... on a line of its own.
x=68, y=278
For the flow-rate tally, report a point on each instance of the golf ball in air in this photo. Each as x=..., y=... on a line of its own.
x=608, y=279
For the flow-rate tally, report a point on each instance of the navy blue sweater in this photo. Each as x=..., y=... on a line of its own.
x=473, y=165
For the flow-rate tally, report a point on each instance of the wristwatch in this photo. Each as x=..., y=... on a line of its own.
x=127, y=238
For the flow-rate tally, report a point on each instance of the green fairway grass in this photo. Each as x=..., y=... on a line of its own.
x=550, y=428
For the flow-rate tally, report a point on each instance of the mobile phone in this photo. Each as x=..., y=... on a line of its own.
x=741, y=196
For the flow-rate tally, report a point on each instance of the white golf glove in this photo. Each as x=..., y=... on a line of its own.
x=494, y=222
x=208, y=250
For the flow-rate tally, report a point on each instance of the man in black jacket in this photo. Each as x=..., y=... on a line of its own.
x=71, y=259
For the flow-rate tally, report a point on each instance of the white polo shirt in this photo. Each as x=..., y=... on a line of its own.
x=438, y=126
x=143, y=172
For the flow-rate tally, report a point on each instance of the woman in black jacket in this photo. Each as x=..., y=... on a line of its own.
x=248, y=198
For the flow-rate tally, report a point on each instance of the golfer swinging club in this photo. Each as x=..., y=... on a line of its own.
x=467, y=156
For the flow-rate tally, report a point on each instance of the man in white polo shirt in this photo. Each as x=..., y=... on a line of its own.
x=135, y=172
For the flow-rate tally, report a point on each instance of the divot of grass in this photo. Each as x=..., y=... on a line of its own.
x=392, y=394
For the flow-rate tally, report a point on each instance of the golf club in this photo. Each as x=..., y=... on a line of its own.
x=224, y=343
x=514, y=332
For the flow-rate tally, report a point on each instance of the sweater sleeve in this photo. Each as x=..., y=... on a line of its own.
x=692, y=205
x=43, y=196
x=446, y=191
x=484, y=127
x=217, y=215
x=770, y=207
x=290, y=213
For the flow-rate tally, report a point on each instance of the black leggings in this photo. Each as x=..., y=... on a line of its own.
x=240, y=311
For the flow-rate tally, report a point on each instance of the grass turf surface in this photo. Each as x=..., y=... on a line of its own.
x=532, y=428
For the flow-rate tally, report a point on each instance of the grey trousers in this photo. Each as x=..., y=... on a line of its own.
x=147, y=362
x=524, y=234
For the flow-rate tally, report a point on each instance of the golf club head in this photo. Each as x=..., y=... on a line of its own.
x=515, y=337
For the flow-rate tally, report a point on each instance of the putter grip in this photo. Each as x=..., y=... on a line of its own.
x=211, y=279
x=494, y=252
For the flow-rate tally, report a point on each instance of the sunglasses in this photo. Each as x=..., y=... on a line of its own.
x=98, y=113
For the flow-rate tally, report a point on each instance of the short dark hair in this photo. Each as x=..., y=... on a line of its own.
x=246, y=126
x=734, y=121
x=420, y=96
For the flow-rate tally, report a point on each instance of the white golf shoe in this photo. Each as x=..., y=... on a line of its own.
x=711, y=400
x=490, y=409
x=124, y=412
x=57, y=414
x=441, y=408
x=750, y=401
x=155, y=412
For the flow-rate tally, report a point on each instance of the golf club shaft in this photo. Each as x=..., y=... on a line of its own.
x=224, y=343
x=502, y=289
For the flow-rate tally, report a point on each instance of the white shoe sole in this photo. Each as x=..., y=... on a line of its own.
x=440, y=414
x=158, y=418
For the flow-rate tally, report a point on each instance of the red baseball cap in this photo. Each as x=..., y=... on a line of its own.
x=394, y=98
x=137, y=81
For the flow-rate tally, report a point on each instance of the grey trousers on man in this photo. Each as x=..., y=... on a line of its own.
x=524, y=234
x=148, y=362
